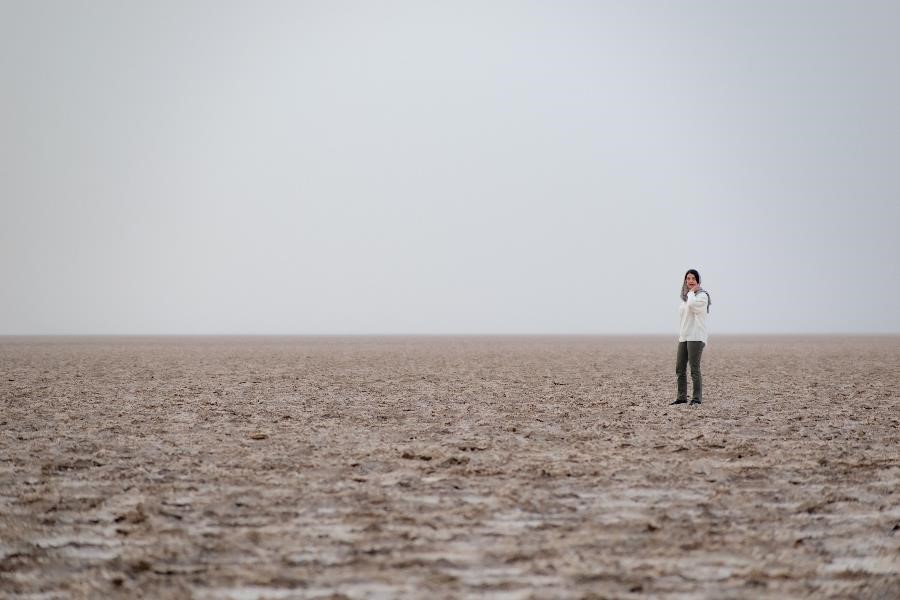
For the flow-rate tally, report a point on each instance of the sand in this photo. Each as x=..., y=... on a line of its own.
x=448, y=467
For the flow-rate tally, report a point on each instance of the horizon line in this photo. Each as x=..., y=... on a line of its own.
x=438, y=334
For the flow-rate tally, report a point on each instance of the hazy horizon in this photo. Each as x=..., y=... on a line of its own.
x=468, y=168
x=722, y=336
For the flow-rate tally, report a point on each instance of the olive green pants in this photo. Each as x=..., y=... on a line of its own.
x=689, y=352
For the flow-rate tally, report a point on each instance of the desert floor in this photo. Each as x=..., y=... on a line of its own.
x=448, y=467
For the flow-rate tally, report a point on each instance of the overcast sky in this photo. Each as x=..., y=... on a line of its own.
x=448, y=167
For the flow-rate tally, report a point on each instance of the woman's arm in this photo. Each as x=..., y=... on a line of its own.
x=697, y=302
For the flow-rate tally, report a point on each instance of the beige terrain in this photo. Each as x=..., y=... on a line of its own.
x=469, y=467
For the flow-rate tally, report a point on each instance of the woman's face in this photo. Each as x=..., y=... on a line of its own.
x=690, y=280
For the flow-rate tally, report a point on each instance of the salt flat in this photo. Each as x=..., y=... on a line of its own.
x=448, y=467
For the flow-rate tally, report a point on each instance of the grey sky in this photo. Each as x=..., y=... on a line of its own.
x=447, y=167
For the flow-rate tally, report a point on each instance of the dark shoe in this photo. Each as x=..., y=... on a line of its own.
x=678, y=402
x=695, y=401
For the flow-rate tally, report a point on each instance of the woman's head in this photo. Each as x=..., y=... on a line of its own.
x=690, y=283
x=691, y=280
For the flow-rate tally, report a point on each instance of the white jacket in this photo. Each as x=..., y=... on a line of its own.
x=693, y=318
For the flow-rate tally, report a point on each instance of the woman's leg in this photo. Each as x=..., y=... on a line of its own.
x=694, y=352
x=681, y=360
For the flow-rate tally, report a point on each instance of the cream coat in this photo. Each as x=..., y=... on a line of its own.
x=693, y=318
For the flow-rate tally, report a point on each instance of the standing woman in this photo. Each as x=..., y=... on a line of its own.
x=692, y=336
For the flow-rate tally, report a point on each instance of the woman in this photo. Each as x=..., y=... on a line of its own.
x=692, y=336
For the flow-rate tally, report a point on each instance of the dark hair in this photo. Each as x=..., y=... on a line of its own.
x=684, y=289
